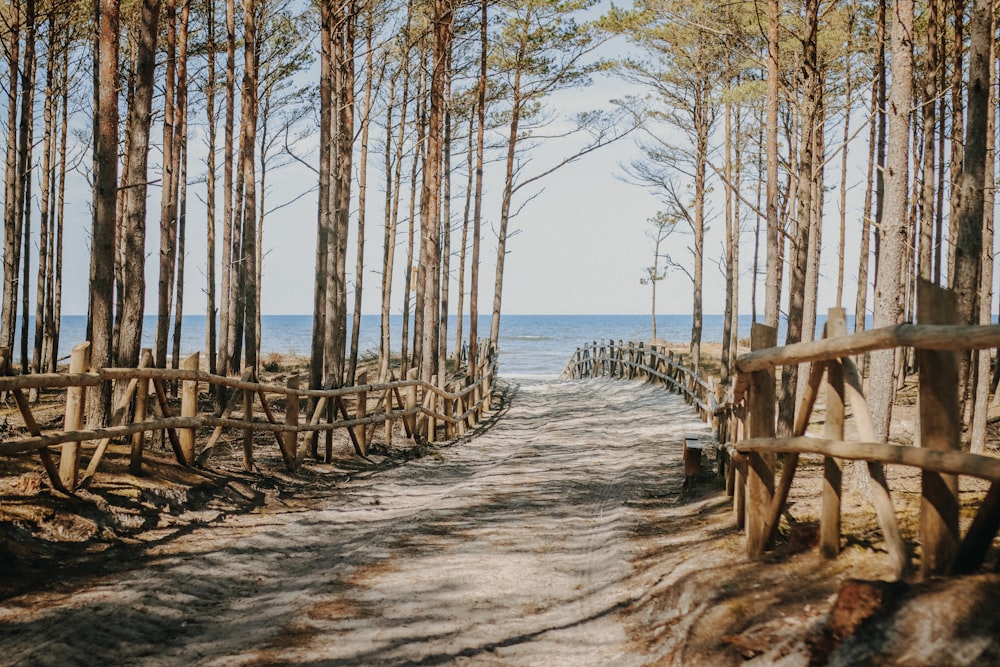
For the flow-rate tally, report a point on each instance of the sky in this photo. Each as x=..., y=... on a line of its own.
x=578, y=246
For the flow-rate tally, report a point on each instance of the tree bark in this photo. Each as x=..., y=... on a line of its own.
x=47, y=180
x=22, y=259
x=477, y=215
x=810, y=107
x=969, y=220
x=105, y=202
x=362, y=194
x=211, y=331
x=430, y=196
x=927, y=108
x=181, y=114
x=134, y=216
x=317, y=364
x=248, y=127
x=12, y=237
x=772, y=279
x=228, y=285
x=893, y=231
x=168, y=198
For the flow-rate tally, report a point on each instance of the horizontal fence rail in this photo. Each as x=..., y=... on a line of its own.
x=760, y=495
x=636, y=361
x=143, y=406
x=633, y=360
x=744, y=414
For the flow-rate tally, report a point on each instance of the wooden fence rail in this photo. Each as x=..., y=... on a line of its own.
x=142, y=406
x=936, y=453
x=744, y=419
x=636, y=361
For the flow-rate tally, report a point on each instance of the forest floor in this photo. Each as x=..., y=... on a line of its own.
x=560, y=532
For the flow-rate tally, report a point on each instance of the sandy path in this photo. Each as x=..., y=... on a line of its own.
x=516, y=547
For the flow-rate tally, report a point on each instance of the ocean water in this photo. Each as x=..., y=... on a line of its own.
x=530, y=345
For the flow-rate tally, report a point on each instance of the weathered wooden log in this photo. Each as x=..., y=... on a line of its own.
x=940, y=429
x=69, y=458
x=942, y=461
x=760, y=466
x=291, y=437
x=833, y=469
x=919, y=336
x=189, y=408
x=141, y=398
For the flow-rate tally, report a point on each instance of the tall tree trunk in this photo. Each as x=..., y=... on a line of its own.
x=772, y=290
x=927, y=108
x=48, y=162
x=816, y=207
x=181, y=114
x=227, y=323
x=430, y=196
x=848, y=110
x=211, y=332
x=362, y=196
x=969, y=219
x=248, y=127
x=317, y=364
x=445, y=225
x=968, y=252
x=734, y=312
x=463, y=250
x=168, y=199
x=343, y=95
x=809, y=115
x=508, y=189
x=12, y=237
x=727, y=323
x=134, y=215
x=873, y=180
x=477, y=215
x=419, y=152
x=48, y=315
x=55, y=322
x=983, y=378
x=393, y=170
x=957, y=132
x=702, y=130
x=893, y=231
x=22, y=259
x=105, y=200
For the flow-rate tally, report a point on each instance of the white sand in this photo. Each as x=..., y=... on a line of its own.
x=516, y=547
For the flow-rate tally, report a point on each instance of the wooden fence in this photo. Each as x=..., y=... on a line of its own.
x=744, y=419
x=142, y=406
x=632, y=360
x=760, y=497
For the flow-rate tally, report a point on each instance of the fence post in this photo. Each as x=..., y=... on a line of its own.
x=488, y=380
x=76, y=398
x=291, y=437
x=940, y=429
x=760, y=424
x=141, y=396
x=248, y=419
x=829, y=525
x=739, y=468
x=360, y=412
x=189, y=408
x=411, y=402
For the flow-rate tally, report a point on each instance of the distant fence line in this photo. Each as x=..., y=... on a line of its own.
x=744, y=419
x=631, y=360
x=142, y=406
